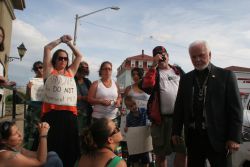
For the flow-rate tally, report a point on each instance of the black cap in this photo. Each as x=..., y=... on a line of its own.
x=159, y=50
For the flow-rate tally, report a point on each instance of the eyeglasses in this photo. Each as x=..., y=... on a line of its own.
x=115, y=131
x=62, y=58
x=38, y=68
x=5, y=128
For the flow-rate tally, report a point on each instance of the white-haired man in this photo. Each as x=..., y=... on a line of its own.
x=209, y=106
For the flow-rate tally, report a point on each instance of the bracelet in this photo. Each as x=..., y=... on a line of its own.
x=44, y=136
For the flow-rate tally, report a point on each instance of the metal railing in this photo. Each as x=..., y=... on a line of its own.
x=15, y=95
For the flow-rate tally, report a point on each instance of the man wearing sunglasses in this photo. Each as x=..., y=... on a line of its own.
x=84, y=108
x=33, y=114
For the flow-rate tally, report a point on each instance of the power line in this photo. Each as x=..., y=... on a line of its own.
x=132, y=34
x=150, y=38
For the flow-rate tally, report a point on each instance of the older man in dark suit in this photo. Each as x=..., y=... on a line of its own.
x=209, y=106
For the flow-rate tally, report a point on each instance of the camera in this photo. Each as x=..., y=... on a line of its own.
x=163, y=56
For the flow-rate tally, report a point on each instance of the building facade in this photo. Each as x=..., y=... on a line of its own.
x=7, y=15
x=124, y=78
x=243, y=78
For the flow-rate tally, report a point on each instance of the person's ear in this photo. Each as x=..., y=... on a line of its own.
x=110, y=140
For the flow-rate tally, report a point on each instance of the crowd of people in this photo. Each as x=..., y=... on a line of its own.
x=196, y=116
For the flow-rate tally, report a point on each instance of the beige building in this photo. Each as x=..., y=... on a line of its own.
x=7, y=15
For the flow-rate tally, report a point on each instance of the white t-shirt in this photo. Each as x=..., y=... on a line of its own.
x=169, y=83
x=102, y=92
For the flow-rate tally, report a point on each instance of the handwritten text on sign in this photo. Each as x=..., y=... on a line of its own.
x=36, y=92
x=60, y=90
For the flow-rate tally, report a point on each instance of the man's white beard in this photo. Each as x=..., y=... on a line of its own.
x=202, y=68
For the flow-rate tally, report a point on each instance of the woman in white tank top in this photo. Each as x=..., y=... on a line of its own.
x=104, y=94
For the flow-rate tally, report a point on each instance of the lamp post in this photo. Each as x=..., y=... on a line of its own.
x=79, y=17
x=21, y=51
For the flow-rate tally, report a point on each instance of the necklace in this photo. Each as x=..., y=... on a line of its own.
x=202, y=87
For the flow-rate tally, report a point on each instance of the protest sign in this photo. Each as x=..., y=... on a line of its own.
x=139, y=140
x=60, y=90
x=36, y=92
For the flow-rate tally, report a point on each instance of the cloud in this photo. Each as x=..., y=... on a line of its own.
x=34, y=41
x=141, y=24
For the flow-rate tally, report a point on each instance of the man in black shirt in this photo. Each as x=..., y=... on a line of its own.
x=209, y=106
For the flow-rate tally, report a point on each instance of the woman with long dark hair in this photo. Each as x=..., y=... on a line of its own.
x=13, y=154
x=60, y=98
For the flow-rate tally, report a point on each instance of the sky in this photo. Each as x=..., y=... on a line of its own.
x=114, y=35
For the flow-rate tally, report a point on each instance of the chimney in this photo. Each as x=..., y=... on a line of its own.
x=142, y=52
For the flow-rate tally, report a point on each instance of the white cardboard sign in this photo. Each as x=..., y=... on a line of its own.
x=139, y=140
x=36, y=92
x=60, y=90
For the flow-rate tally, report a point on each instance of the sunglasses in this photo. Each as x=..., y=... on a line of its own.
x=38, y=68
x=115, y=131
x=63, y=58
x=5, y=128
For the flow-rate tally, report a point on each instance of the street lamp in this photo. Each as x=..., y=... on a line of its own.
x=78, y=17
x=21, y=51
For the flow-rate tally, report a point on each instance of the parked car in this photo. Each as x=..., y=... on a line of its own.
x=241, y=158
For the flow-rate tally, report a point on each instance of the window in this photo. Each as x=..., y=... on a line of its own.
x=140, y=65
x=149, y=64
x=132, y=63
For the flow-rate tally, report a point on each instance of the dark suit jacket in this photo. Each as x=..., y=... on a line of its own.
x=223, y=107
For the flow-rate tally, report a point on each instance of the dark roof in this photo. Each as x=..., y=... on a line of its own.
x=140, y=57
x=18, y=4
x=236, y=68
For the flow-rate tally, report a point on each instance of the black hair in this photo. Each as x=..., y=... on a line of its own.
x=35, y=65
x=139, y=70
x=159, y=50
x=96, y=136
x=80, y=68
x=103, y=64
x=2, y=43
x=55, y=56
x=5, y=132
